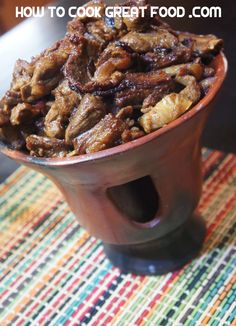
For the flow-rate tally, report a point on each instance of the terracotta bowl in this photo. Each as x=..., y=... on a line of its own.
x=139, y=198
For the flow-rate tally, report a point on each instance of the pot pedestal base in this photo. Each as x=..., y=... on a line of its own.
x=162, y=255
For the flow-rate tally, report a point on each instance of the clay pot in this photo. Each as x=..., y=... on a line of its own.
x=139, y=197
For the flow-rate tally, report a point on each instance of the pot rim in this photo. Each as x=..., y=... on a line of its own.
x=221, y=65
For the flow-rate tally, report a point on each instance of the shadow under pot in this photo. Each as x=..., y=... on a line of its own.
x=139, y=198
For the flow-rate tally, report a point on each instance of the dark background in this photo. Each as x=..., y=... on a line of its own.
x=33, y=35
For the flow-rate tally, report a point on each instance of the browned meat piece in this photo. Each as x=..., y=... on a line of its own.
x=157, y=94
x=4, y=114
x=147, y=42
x=57, y=117
x=101, y=32
x=25, y=113
x=125, y=113
x=137, y=22
x=36, y=79
x=4, y=118
x=47, y=73
x=138, y=86
x=145, y=80
x=77, y=70
x=202, y=44
x=22, y=75
x=112, y=59
x=12, y=137
x=105, y=134
x=12, y=98
x=75, y=29
x=94, y=31
x=39, y=127
x=133, y=96
x=46, y=147
x=46, y=77
x=132, y=134
x=164, y=57
x=108, y=74
x=90, y=111
x=100, y=4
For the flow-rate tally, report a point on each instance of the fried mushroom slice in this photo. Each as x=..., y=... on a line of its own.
x=105, y=134
x=57, y=117
x=90, y=111
x=195, y=69
x=146, y=42
x=171, y=106
x=164, y=112
x=46, y=147
x=203, y=45
x=206, y=84
x=192, y=90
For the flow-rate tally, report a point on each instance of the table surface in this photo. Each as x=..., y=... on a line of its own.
x=34, y=35
x=53, y=273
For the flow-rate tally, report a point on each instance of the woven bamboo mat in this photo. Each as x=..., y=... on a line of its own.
x=53, y=273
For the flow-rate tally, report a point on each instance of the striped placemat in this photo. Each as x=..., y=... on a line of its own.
x=53, y=273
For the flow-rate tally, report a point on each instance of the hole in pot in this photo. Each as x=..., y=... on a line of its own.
x=137, y=199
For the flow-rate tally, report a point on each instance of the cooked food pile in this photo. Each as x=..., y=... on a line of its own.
x=107, y=82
